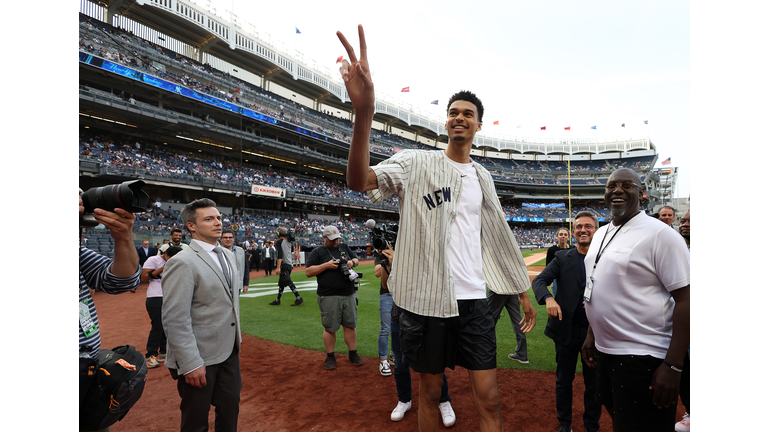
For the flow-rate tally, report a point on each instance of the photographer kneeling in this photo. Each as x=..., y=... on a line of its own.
x=332, y=263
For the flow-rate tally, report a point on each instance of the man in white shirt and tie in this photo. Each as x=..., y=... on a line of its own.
x=201, y=318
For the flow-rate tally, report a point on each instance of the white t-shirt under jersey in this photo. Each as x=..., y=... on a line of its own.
x=464, y=253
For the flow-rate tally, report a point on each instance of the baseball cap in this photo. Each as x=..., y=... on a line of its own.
x=331, y=232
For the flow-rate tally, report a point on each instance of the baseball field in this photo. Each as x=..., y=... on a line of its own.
x=286, y=387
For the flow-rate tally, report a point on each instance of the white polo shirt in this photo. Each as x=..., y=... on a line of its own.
x=631, y=307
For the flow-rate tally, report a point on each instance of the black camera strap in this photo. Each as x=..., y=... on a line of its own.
x=341, y=254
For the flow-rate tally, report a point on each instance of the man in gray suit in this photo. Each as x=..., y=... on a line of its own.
x=228, y=242
x=201, y=319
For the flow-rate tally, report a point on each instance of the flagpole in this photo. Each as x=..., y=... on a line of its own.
x=570, y=211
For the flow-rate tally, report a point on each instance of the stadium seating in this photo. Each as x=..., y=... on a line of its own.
x=174, y=165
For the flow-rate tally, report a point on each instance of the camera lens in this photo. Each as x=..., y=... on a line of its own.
x=127, y=196
x=379, y=244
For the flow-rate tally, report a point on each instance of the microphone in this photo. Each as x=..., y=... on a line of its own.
x=370, y=224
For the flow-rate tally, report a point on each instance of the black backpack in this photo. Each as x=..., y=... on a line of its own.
x=117, y=383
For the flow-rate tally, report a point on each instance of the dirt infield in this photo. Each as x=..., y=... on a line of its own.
x=287, y=388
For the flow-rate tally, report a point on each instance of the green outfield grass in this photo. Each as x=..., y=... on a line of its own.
x=300, y=326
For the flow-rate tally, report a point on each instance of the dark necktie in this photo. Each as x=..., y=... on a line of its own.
x=224, y=268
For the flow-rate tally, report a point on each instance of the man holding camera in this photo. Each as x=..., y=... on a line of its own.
x=113, y=276
x=284, y=247
x=332, y=263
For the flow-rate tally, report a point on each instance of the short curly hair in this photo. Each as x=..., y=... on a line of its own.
x=468, y=96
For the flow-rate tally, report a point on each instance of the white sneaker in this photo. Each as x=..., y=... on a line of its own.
x=384, y=368
x=399, y=412
x=446, y=412
x=684, y=425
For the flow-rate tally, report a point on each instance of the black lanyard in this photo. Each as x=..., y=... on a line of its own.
x=341, y=253
x=602, y=249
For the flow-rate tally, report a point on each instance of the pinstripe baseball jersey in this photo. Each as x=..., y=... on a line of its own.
x=428, y=189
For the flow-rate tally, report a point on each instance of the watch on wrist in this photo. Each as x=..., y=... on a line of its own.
x=673, y=367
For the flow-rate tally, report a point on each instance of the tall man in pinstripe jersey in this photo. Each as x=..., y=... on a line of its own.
x=440, y=271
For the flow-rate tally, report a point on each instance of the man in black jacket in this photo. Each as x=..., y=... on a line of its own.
x=567, y=324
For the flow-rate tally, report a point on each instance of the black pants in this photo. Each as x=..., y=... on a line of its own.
x=285, y=281
x=268, y=263
x=156, y=340
x=566, y=357
x=622, y=384
x=222, y=390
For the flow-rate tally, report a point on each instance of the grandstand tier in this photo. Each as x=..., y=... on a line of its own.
x=190, y=130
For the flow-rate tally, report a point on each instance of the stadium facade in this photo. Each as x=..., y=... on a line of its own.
x=179, y=82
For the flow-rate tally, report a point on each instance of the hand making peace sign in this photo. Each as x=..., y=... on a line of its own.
x=357, y=76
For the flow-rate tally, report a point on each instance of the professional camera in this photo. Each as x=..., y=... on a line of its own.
x=381, y=237
x=287, y=233
x=348, y=272
x=127, y=196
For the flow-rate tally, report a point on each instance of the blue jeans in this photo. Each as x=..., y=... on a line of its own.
x=402, y=372
x=385, y=312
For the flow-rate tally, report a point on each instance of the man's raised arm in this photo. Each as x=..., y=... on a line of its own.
x=357, y=79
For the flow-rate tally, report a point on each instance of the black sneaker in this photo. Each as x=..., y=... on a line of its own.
x=562, y=428
x=515, y=356
x=355, y=359
x=298, y=301
x=330, y=362
x=275, y=303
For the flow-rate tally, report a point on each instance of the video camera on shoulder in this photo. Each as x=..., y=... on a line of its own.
x=127, y=196
x=287, y=233
x=382, y=237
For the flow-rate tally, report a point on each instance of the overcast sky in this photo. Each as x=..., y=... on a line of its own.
x=533, y=64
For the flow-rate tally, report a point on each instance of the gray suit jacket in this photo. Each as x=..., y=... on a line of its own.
x=201, y=316
x=243, y=267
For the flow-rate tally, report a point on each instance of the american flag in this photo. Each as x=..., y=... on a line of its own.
x=667, y=161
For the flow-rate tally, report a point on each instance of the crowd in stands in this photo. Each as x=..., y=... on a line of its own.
x=260, y=226
x=165, y=162
x=162, y=161
x=119, y=45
